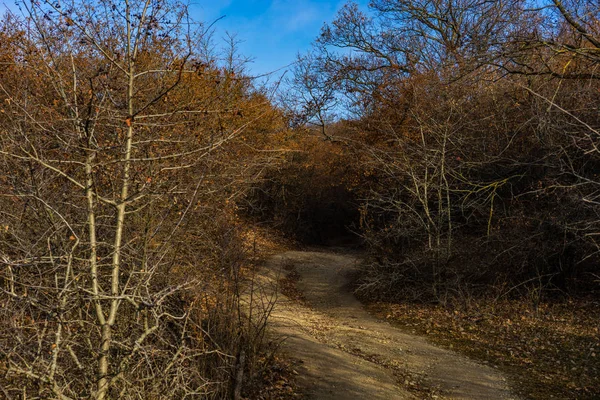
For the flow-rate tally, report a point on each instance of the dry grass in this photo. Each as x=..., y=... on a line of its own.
x=276, y=381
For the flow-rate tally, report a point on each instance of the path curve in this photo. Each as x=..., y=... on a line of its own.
x=345, y=353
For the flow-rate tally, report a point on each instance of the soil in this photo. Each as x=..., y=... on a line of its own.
x=343, y=352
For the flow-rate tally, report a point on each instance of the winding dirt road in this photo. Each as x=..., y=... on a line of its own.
x=345, y=353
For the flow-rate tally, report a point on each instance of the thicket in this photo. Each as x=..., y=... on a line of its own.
x=466, y=133
x=305, y=194
x=458, y=139
x=125, y=140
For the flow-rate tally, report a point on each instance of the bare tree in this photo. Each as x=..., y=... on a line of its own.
x=111, y=125
x=470, y=120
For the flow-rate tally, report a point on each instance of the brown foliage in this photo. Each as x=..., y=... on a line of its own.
x=121, y=153
x=474, y=129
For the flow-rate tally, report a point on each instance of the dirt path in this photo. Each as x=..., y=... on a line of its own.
x=345, y=353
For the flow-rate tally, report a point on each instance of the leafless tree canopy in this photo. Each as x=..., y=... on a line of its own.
x=119, y=246
x=458, y=138
x=472, y=127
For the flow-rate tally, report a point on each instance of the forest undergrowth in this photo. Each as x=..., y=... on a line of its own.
x=548, y=351
x=456, y=142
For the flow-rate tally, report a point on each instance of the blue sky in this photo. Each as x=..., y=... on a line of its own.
x=272, y=32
